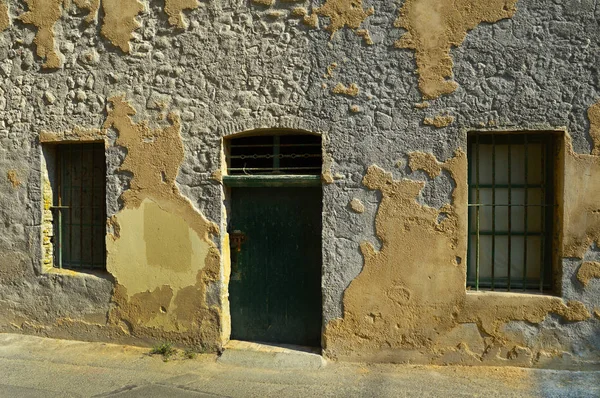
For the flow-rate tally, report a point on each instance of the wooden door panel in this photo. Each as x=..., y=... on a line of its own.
x=275, y=289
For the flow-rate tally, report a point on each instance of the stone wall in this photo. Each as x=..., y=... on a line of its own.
x=393, y=87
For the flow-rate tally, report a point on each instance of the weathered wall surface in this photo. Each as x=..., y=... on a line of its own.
x=394, y=87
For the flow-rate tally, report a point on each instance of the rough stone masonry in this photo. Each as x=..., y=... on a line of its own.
x=392, y=86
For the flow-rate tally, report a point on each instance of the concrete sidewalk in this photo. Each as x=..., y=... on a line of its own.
x=39, y=367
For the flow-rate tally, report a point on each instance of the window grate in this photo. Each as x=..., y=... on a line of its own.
x=511, y=211
x=80, y=211
x=296, y=154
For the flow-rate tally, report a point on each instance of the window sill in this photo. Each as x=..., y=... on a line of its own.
x=83, y=273
x=517, y=295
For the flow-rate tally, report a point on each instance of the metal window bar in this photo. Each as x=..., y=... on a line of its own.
x=277, y=154
x=80, y=212
x=484, y=272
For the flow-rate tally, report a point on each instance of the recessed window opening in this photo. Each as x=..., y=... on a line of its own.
x=79, y=209
x=297, y=154
x=511, y=211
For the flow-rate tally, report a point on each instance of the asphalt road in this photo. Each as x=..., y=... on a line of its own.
x=38, y=367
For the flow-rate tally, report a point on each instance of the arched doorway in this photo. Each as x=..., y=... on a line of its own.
x=274, y=225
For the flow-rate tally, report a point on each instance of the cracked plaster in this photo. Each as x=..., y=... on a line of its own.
x=236, y=68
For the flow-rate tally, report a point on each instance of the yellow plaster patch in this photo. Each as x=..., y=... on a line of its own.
x=174, y=9
x=357, y=206
x=92, y=6
x=120, y=21
x=588, y=271
x=435, y=26
x=439, y=121
x=594, y=117
x=352, y=90
x=13, y=178
x=343, y=13
x=266, y=3
x=160, y=253
x=330, y=68
x=364, y=33
x=426, y=162
x=44, y=14
x=581, y=209
x=160, y=247
x=4, y=16
x=311, y=20
x=410, y=295
x=299, y=12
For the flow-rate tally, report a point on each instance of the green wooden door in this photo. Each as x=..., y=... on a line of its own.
x=275, y=286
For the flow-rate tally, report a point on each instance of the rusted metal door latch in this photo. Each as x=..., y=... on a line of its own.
x=236, y=239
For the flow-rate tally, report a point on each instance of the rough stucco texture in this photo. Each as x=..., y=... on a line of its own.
x=162, y=88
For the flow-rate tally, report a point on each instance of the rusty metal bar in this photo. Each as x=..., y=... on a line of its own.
x=525, y=238
x=493, y=209
x=509, y=255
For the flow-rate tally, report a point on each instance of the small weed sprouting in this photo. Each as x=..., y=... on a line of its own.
x=190, y=354
x=165, y=349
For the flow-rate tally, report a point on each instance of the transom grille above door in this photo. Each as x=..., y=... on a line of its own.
x=276, y=154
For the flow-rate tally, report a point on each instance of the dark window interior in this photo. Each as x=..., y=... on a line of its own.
x=79, y=206
x=511, y=208
x=298, y=154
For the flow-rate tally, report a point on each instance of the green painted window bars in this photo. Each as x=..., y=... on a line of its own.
x=80, y=206
x=511, y=211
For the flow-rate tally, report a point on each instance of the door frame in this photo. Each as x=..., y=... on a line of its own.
x=235, y=181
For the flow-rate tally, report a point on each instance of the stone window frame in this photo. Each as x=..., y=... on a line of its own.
x=48, y=143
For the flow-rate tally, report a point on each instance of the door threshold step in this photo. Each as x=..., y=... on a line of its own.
x=267, y=355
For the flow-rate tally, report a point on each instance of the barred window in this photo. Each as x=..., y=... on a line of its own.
x=79, y=206
x=511, y=211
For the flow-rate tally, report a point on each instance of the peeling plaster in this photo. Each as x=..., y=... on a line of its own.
x=364, y=33
x=120, y=21
x=4, y=16
x=266, y=3
x=357, y=206
x=435, y=26
x=13, y=178
x=330, y=68
x=588, y=271
x=410, y=295
x=343, y=13
x=426, y=162
x=174, y=9
x=581, y=216
x=439, y=121
x=159, y=229
x=352, y=90
x=594, y=118
x=44, y=14
x=159, y=249
x=92, y=6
